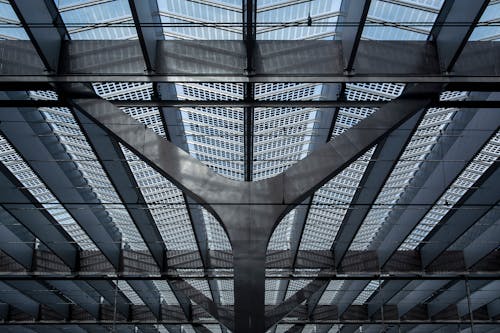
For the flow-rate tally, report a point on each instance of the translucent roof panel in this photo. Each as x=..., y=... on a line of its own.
x=331, y=201
x=68, y=132
x=401, y=19
x=201, y=19
x=486, y=157
x=214, y=135
x=282, y=136
x=288, y=19
x=91, y=19
x=488, y=27
x=21, y=170
x=10, y=28
x=421, y=144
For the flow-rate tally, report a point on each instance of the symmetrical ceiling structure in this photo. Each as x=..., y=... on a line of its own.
x=249, y=166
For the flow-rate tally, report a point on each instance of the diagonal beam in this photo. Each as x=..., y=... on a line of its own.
x=149, y=30
x=307, y=175
x=26, y=209
x=482, y=296
x=178, y=168
x=12, y=297
x=34, y=140
x=106, y=289
x=42, y=295
x=482, y=197
x=453, y=27
x=11, y=244
x=113, y=162
x=452, y=295
x=350, y=26
x=278, y=312
x=385, y=158
x=222, y=315
x=485, y=243
x=463, y=149
x=78, y=292
x=43, y=24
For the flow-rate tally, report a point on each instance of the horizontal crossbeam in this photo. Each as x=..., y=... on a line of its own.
x=224, y=61
x=245, y=104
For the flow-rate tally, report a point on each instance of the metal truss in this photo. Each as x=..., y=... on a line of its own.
x=249, y=211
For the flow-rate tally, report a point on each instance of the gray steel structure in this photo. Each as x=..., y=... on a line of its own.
x=434, y=287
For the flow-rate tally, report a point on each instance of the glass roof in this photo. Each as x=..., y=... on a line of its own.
x=10, y=27
x=281, y=136
x=401, y=19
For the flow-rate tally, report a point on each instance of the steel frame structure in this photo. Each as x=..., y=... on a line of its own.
x=248, y=211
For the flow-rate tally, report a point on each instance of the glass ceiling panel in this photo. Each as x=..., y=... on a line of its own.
x=401, y=19
x=330, y=202
x=486, y=157
x=91, y=19
x=10, y=28
x=421, y=144
x=69, y=134
x=288, y=19
x=201, y=19
x=283, y=136
x=214, y=135
x=21, y=170
x=488, y=27
x=166, y=202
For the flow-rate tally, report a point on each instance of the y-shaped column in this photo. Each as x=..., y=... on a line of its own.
x=249, y=211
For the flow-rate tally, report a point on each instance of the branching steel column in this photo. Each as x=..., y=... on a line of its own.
x=250, y=210
x=453, y=27
x=149, y=30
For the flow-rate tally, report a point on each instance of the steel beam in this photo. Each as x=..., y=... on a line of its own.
x=309, y=174
x=24, y=303
x=478, y=201
x=274, y=315
x=43, y=24
x=11, y=244
x=453, y=27
x=38, y=145
x=114, y=164
x=149, y=30
x=463, y=149
x=385, y=158
x=275, y=61
x=452, y=295
x=248, y=244
x=170, y=105
x=24, y=208
x=148, y=24
x=41, y=294
x=350, y=26
x=482, y=296
x=487, y=241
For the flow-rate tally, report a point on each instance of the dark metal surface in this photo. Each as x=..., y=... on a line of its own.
x=456, y=21
x=275, y=61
